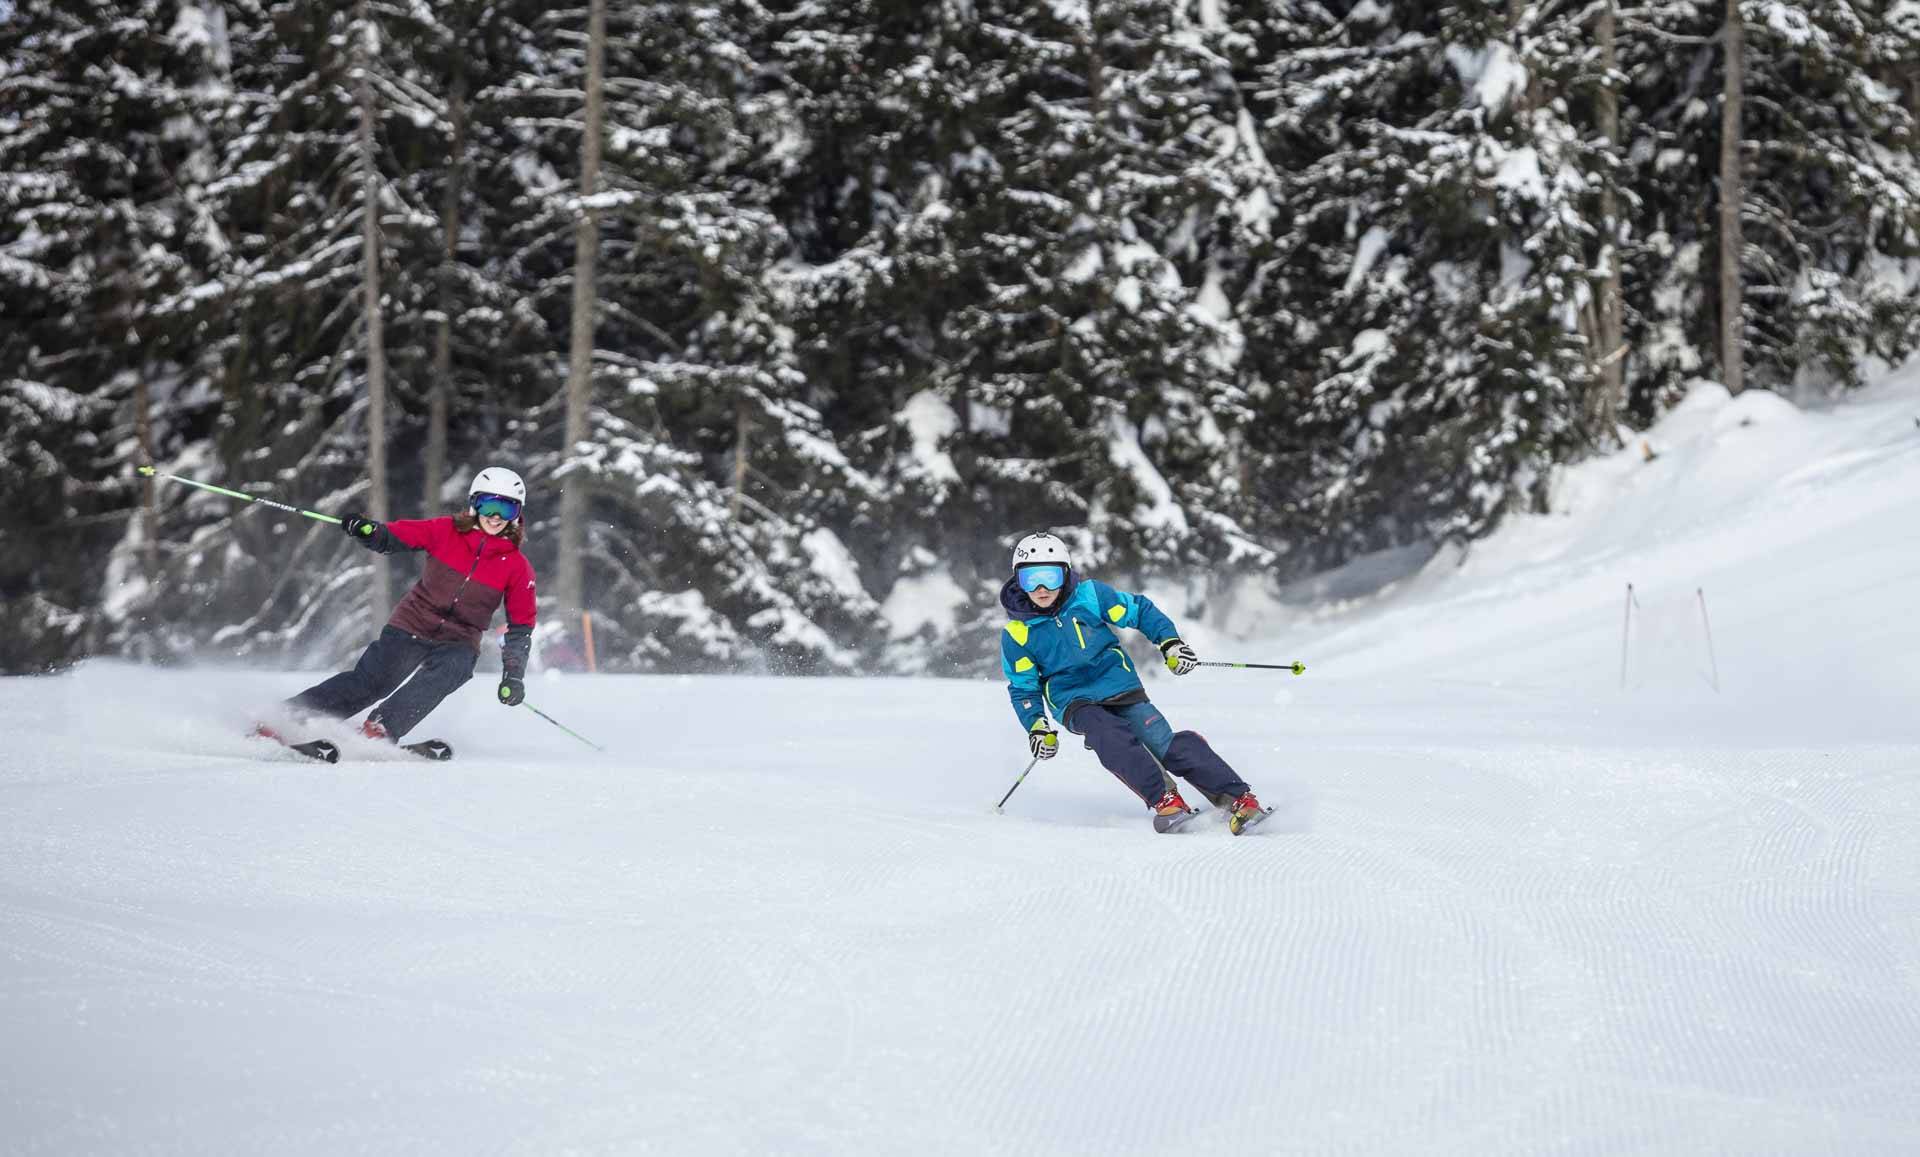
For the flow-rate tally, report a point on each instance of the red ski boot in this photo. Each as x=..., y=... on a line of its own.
x=1246, y=813
x=1170, y=812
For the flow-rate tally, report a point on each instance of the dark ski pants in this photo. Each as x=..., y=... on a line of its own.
x=1135, y=743
x=438, y=669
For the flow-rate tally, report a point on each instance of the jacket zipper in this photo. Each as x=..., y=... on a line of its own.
x=477, y=554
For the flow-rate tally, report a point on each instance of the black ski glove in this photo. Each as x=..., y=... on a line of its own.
x=1045, y=743
x=513, y=663
x=359, y=528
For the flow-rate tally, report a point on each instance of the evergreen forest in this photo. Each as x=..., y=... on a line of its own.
x=794, y=316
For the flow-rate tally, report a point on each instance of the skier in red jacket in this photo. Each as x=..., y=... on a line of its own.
x=473, y=565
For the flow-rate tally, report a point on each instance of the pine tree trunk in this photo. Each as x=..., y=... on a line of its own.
x=1097, y=114
x=1732, y=193
x=570, y=582
x=1611, y=352
x=149, y=518
x=1096, y=66
x=1529, y=95
x=376, y=338
x=739, y=454
x=438, y=393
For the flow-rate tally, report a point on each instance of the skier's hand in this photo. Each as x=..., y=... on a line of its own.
x=1044, y=743
x=359, y=527
x=513, y=691
x=1180, y=657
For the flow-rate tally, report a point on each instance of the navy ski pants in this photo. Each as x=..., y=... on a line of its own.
x=438, y=669
x=1135, y=743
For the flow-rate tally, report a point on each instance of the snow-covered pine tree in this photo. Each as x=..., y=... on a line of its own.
x=1831, y=192
x=105, y=220
x=1413, y=325
x=870, y=149
x=1100, y=328
x=885, y=282
x=870, y=137
x=684, y=568
x=1833, y=201
x=272, y=395
x=1032, y=301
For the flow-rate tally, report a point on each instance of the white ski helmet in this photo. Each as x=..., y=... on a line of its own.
x=499, y=480
x=1041, y=548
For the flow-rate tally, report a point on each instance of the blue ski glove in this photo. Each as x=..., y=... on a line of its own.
x=1180, y=657
x=1045, y=743
x=513, y=692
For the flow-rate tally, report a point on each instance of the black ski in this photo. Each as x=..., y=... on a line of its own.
x=438, y=750
x=320, y=749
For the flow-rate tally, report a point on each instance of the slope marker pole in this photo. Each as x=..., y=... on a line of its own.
x=1708, y=625
x=1626, y=626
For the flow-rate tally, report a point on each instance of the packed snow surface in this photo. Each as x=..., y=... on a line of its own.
x=1522, y=894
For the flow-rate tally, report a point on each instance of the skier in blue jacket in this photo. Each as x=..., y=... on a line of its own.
x=1060, y=655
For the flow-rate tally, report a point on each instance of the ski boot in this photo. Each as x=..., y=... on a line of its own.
x=1246, y=813
x=1170, y=812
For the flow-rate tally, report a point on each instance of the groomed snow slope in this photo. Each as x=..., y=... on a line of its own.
x=1507, y=906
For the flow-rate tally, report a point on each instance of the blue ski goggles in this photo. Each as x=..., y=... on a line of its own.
x=494, y=506
x=1050, y=576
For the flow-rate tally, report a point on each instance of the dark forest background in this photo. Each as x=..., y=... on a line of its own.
x=1226, y=292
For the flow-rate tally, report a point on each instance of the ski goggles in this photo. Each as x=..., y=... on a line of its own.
x=494, y=506
x=1050, y=576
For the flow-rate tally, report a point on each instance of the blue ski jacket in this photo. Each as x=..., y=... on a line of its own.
x=1068, y=654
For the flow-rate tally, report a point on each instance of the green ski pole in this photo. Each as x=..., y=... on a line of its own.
x=150, y=472
x=1016, y=785
x=562, y=726
x=1296, y=667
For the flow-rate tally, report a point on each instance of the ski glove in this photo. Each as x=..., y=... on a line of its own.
x=1045, y=743
x=1180, y=657
x=359, y=527
x=513, y=692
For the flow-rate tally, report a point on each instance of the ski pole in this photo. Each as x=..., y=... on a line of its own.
x=150, y=472
x=1016, y=785
x=561, y=726
x=1297, y=668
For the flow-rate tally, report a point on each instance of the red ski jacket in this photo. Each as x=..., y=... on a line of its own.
x=466, y=578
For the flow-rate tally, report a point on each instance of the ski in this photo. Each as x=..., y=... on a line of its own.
x=438, y=750
x=320, y=749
